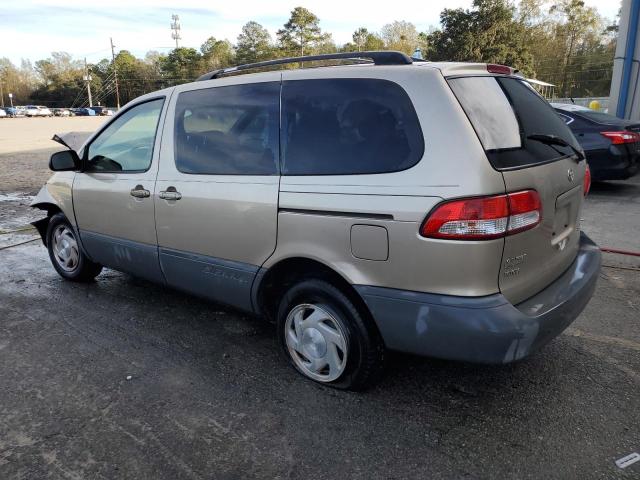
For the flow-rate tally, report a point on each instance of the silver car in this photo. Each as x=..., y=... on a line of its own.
x=429, y=208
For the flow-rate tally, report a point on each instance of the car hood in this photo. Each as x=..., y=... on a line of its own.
x=72, y=140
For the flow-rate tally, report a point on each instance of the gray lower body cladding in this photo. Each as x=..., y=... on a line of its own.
x=483, y=329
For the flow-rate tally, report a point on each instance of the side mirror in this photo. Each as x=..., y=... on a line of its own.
x=64, y=161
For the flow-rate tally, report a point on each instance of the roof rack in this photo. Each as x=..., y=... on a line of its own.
x=377, y=57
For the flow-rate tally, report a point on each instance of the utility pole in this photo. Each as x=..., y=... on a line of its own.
x=87, y=78
x=115, y=73
x=1, y=95
x=175, y=28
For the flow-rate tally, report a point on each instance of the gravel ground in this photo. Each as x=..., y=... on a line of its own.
x=28, y=134
x=210, y=398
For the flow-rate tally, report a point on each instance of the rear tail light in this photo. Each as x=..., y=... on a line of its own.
x=484, y=218
x=524, y=211
x=587, y=181
x=500, y=69
x=619, y=138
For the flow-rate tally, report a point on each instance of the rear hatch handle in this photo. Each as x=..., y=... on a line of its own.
x=555, y=140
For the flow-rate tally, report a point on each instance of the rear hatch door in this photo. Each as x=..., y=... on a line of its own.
x=514, y=123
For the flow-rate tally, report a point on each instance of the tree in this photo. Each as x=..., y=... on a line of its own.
x=578, y=25
x=182, y=65
x=360, y=38
x=215, y=54
x=18, y=81
x=400, y=35
x=488, y=32
x=254, y=44
x=301, y=34
x=373, y=42
x=61, y=78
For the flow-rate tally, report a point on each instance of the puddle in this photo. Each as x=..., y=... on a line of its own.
x=15, y=197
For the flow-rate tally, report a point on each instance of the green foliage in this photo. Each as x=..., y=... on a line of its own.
x=301, y=34
x=488, y=32
x=215, y=54
x=563, y=42
x=254, y=44
x=19, y=81
x=182, y=64
x=61, y=78
x=364, y=40
x=401, y=36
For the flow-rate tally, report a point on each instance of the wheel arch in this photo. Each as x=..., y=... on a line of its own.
x=43, y=224
x=271, y=283
x=54, y=197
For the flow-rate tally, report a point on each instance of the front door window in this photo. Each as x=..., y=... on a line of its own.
x=126, y=145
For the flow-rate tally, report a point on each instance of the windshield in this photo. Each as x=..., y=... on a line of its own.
x=505, y=112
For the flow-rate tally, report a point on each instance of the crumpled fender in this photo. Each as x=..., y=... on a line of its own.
x=55, y=196
x=43, y=197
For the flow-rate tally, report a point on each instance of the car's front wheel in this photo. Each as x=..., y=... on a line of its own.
x=327, y=338
x=65, y=253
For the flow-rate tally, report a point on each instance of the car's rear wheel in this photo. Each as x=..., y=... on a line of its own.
x=327, y=338
x=65, y=253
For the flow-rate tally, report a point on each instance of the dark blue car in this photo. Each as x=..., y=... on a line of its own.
x=611, y=144
x=83, y=112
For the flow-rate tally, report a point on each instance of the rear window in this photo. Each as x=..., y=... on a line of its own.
x=348, y=126
x=504, y=112
x=599, y=117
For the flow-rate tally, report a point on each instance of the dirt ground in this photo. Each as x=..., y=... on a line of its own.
x=26, y=145
x=28, y=134
x=129, y=380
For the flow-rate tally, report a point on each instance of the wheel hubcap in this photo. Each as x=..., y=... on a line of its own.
x=65, y=248
x=316, y=342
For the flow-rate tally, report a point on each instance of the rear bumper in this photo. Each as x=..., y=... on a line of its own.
x=483, y=329
x=617, y=163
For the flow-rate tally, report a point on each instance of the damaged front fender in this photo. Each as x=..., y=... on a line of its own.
x=54, y=197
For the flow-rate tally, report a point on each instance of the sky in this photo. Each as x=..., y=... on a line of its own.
x=32, y=29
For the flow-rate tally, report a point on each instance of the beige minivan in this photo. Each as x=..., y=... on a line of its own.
x=391, y=203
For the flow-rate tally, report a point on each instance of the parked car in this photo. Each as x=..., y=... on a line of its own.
x=31, y=111
x=84, y=112
x=44, y=111
x=430, y=208
x=61, y=112
x=3, y=114
x=97, y=109
x=14, y=111
x=612, y=145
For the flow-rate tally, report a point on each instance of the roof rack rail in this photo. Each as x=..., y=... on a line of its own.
x=377, y=57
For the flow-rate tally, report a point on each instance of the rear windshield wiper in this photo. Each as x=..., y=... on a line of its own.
x=555, y=140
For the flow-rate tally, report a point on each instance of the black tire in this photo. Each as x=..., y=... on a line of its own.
x=83, y=270
x=365, y=349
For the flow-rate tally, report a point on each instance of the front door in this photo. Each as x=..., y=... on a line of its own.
x=113, y=197
x=217, y=203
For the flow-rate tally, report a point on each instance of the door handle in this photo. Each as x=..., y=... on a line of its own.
x=170, y=194
x=140, y=192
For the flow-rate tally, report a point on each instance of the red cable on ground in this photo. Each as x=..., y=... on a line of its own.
x=621, y=252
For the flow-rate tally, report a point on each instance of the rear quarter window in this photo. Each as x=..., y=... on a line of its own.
x=348, y=126
x=504, y=112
